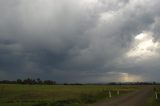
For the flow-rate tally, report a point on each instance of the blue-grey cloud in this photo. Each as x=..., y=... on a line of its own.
x=79, y=41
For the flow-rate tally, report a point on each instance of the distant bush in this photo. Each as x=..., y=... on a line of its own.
x=29, y=81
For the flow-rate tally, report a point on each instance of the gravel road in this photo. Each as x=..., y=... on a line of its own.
x=137, y=98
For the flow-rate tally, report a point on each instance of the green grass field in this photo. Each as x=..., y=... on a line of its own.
x=57, y=95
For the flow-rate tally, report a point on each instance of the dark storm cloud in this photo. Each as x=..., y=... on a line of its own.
x=76, y=41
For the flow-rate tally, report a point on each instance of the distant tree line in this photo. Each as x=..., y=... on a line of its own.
x=29, y=81
x=38, y=81
x=134, y=83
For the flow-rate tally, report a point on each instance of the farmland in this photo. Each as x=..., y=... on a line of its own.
x=58, y=95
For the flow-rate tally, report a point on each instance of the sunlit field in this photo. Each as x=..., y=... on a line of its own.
x=58, y=95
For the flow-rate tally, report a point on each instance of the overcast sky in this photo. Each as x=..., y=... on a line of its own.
x=80, y=40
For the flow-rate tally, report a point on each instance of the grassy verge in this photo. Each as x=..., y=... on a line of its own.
x=153, y=101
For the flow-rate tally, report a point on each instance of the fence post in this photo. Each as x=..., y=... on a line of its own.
x=118, y=92
x=156, y=95
x=110, y=95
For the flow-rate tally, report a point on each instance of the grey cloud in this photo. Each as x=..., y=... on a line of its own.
x=75, y=40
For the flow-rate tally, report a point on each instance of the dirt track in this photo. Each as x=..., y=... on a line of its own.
x=137, y=98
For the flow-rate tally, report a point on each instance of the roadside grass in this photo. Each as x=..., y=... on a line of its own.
x=153, y=101
x=57, y=95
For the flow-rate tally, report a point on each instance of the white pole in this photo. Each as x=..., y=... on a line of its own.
x=110, y=95
x=156, y=95
x=117, y=92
